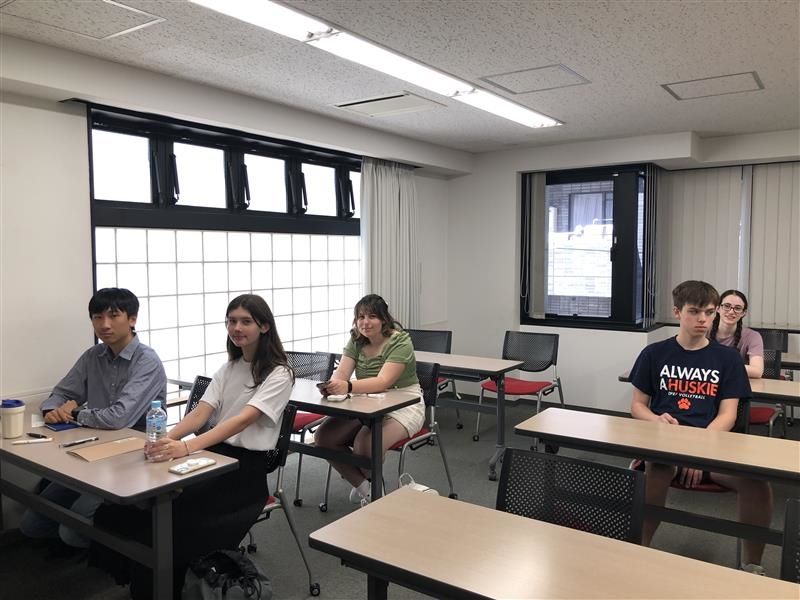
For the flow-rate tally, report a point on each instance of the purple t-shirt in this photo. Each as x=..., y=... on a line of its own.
x=750, y=344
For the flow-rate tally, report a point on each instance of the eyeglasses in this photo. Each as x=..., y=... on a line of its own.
x=737, y=310
x=232, y=322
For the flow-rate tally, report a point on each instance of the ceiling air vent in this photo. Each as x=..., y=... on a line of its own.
x=386, y=106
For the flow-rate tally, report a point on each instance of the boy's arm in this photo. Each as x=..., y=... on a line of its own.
x=640, y=409
x=726, y=415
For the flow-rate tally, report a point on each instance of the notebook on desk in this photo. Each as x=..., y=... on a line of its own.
x=108, y=449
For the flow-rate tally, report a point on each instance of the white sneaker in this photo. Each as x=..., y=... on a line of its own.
x=753, y=568
x=357, y=497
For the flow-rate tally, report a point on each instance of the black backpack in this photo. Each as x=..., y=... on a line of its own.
x=225, y=574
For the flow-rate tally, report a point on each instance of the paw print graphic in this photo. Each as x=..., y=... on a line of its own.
x=684, y=404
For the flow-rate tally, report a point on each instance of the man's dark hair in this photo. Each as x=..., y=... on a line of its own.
x=115, y=299
x=697, y=293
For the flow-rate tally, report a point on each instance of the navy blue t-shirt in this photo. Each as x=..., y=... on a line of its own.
x=689, y=384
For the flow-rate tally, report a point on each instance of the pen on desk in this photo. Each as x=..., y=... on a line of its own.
x=40, y=440
x=76, y=442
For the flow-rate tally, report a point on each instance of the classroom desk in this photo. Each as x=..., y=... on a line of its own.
x=790, y=360
x=122, y=479
x=461, y=550
x=370, y=409
x=476, y=368
x=753, y=456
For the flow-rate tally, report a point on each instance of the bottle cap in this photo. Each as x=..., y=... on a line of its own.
x=155, y=404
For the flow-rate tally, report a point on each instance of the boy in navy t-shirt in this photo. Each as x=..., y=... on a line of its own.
x=691, y=381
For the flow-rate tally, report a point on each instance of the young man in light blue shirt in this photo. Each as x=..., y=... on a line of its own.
x=111, y=386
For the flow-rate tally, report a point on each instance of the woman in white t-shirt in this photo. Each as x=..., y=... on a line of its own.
x=243, y=406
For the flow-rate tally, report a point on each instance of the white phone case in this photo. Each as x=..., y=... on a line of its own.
x=193, y=464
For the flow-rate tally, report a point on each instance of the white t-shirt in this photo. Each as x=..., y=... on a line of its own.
x=231, y=390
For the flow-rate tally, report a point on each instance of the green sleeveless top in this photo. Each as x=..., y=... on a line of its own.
x=398, y=349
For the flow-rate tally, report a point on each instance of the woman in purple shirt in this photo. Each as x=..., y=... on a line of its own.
x=728, y=330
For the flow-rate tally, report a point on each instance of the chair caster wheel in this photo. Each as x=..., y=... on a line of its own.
x=298, y=502
x=323, y=507
x=459, y=426
x=476, y=437
x=314, y=589
x=453, y=496
x=492, y=476
x=251, y=548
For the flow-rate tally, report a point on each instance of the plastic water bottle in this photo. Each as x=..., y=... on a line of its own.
x=156, y=420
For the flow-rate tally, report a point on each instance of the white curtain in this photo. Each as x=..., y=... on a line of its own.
x=389, y=237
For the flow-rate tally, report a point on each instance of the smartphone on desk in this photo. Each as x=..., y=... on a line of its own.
x=61, y=426
x=321, y=386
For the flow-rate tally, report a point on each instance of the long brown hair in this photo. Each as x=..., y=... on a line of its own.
x=374, y=305
x=269, y=352
x=737, y=335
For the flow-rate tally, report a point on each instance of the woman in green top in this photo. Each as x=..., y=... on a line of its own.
x=382, y=356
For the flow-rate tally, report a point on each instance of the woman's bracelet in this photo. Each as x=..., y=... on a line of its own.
x=185, y=445
x=349, y=386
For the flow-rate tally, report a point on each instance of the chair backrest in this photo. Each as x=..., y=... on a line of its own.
x=311, y=365
x=774, y=339
x=199, y=387
x=277, y=457
x=431, y=340
x=790, y=560
x=772, y=364
x=574, y=493
x=742, y=422
x=428, y=375
x=538, y=350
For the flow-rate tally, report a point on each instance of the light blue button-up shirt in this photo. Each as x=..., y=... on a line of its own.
x=113, y=391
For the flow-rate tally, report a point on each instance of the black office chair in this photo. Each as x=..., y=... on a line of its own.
x=437, y=340
x=317, y=366
x=199, y=387
x=539, y=351
x=790, y=558
x=774, y=339
x=428, y=375
x=767, y=415
x=591, y=497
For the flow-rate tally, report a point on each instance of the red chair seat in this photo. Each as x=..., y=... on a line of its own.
x=304, y=419
x=760, y=415
x=518, y=387
x=399, y=445
x=441, y=380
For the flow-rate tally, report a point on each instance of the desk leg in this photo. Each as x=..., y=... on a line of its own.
x=501, y=427
x=377, y=458
x=162, y=547
x=377, y=589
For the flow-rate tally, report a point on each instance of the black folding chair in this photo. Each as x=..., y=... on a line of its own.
x=790, y=558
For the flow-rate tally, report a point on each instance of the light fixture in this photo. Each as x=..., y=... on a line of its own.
x=288, y=22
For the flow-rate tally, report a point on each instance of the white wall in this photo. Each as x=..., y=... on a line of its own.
x=45, y=262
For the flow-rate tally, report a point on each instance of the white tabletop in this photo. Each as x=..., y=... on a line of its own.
x=476, y=364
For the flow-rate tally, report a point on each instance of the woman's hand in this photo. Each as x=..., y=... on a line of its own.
x=336, y=387
x=166, y=449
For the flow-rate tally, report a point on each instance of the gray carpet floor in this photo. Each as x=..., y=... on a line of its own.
x=30, y=569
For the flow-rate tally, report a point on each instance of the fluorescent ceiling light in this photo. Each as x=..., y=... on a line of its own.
x=505, y=108
x=288, y=22
x=365, y=53
x=270, y=16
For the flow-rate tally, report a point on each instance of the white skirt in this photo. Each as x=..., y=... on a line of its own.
x=411, y=417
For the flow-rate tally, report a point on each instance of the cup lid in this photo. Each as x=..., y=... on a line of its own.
x=10, y=403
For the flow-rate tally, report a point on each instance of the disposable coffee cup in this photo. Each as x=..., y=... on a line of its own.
x=12, y=418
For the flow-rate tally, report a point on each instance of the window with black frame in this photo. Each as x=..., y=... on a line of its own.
x=188, y=217
x=587, y=237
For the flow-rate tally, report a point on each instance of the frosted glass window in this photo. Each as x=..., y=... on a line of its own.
x=319, y=298
x=201, y=174
x=162, y=279
x=319, y=344
x=143, y=318
x=190, y=278
x=214, y=362
x=215, y=245
x=161, y=245
x=266, y=295
x=165, y=343
x=190, y=245
x=216, y=338
x=319, y=323
x=134, y=278
x=281, y=274
x=104, y=245
x=302, y=346
x=352, y=248
x=261, y=275
x=336, y=272
x=336, y=296
x=120, y=167
x=216, y=305
x=319, y=247
x=144, y=336
x=301, y=273
x=281, y=247
x=192, y=367
x=352, y=271
x=171, y=368
x=302, y=326
x=284, y=326
x=320, y=189
x=215, y=277
x=319, y=272
x=106, y=276
x=355, y=179
x=192, y=340
x=282, y=302
x=267, y=180
x=301, y=247
x=239, y=276
x=260, y=246
x=335, y=248
x=190, y=310
x=352, y=294
x=131, y=245
x=301, y=300
x=163, y=312
x=238, y=246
